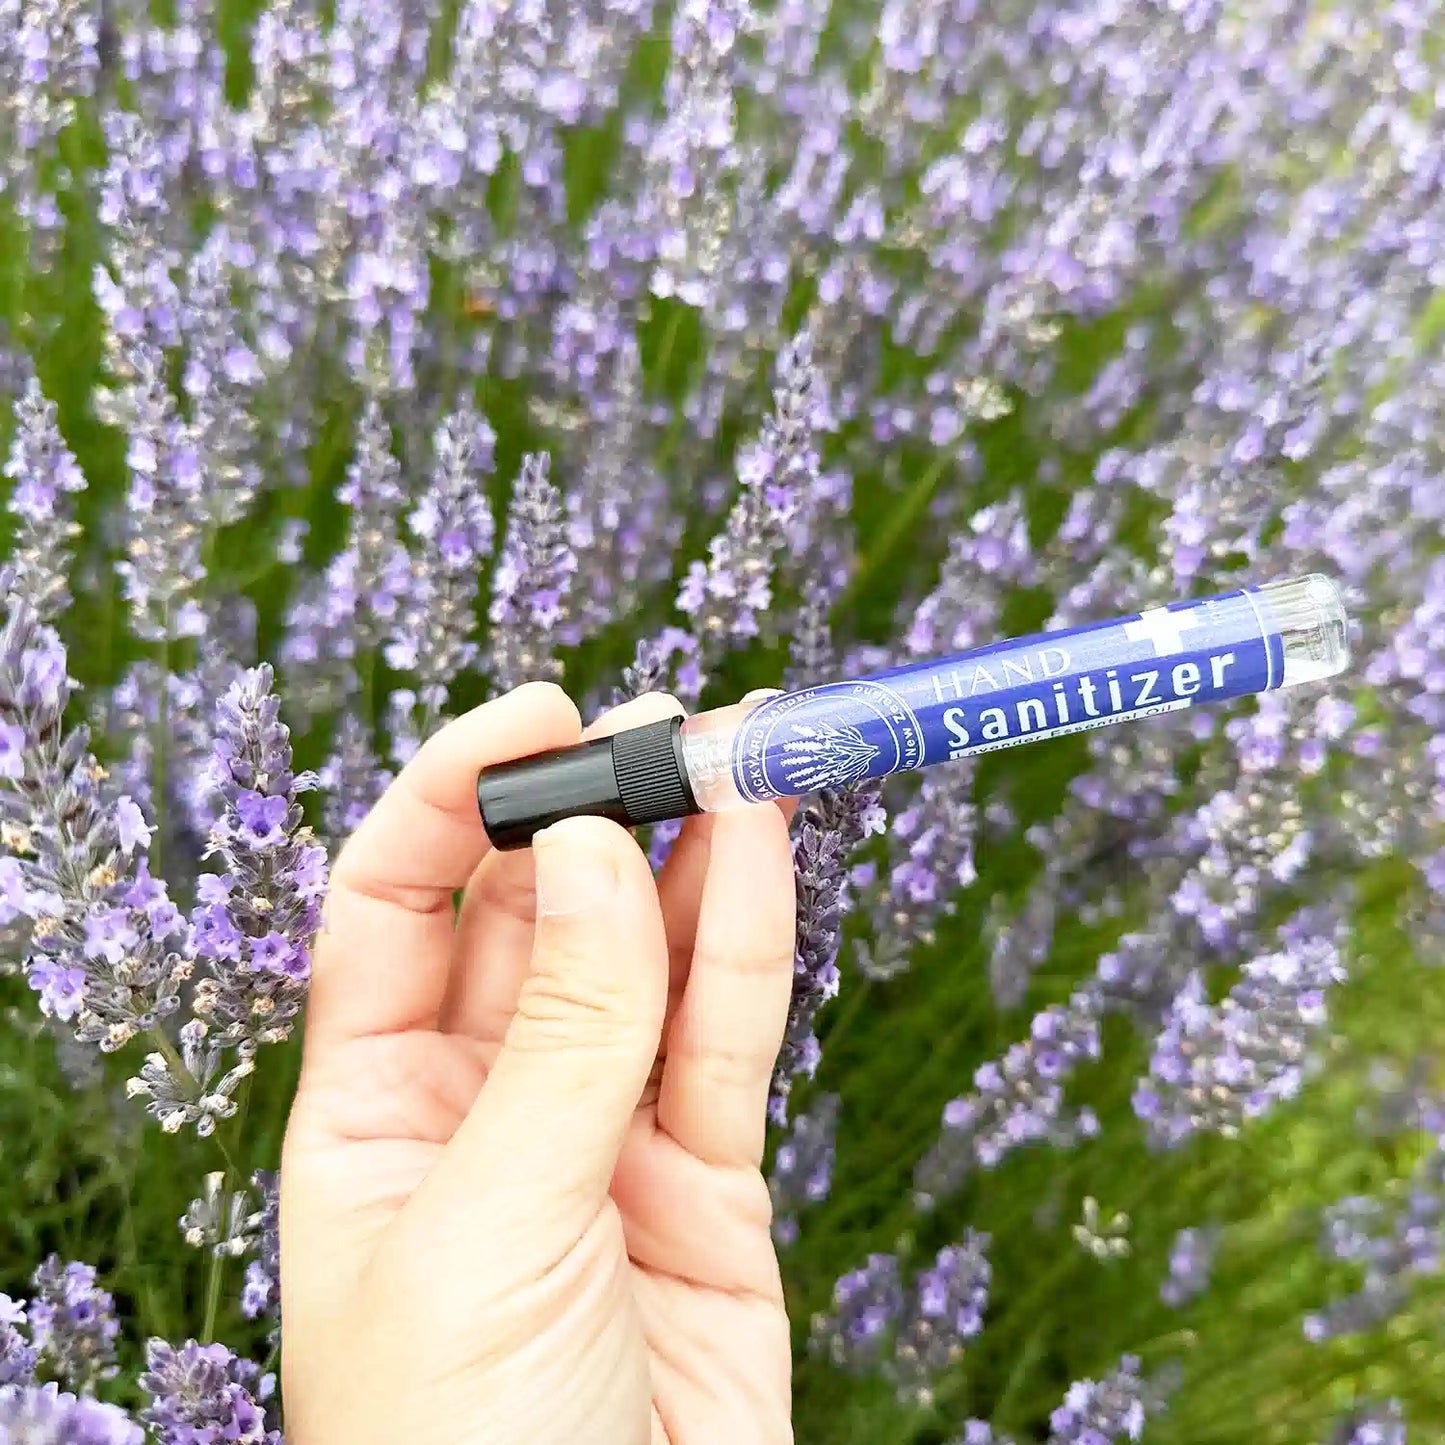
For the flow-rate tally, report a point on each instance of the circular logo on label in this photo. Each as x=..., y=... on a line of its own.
x=824, y=737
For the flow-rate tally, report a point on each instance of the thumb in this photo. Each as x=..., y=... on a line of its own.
x=547, y=1127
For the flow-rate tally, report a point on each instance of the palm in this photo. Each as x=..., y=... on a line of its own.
x=674, y=1270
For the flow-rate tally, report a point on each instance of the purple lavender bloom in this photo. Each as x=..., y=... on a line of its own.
x=1019, y=947
x=452, y=523
x=273, y=868
x=980, y=1432
x=912, y=1335
x=112, y=966
x=352, y=779
x=1216, y=1066
x=867, y=1305
x=931, y=843
x=1382, y=1424
x=73, y=1324
x=46, y=479
x=726, y=595
x=262, y=1293
x=945, y=1311
x=221, y=378
x=531, y=590
x=693, y=151
x=1191, y=1261
x=1394, y=1243
x=339, y=620
x=1017, y=1100
x=49, y=60
x=620, y=521
x=802, y=1171
x=44, y=1415
x=831, y=827
x=935, y=836
x=253, y=925
x=206, y=1395
x=1103, y=1412
x=17, y=1354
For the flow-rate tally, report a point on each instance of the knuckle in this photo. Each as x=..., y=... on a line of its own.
x=558, y=1004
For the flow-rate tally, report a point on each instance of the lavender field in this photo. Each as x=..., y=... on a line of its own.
x=362, y=360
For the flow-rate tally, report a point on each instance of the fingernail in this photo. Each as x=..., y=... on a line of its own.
x=574, y=868
x=762, y=694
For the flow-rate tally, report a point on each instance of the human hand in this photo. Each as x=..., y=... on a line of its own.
x=521, y=1198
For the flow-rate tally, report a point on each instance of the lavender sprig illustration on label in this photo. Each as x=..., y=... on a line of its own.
x=826, y=755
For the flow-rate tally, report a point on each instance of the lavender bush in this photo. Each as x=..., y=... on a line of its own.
x=414, y=351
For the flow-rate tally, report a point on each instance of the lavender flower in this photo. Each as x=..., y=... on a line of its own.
x=48, y=65
x=1214, y=1067
x=17, y=1354
x=1394, y=1243
x=947, y=1306
x=931, y=843
x=46, y=478
x=262, y=1292
x=802, y=1169
x=452, y=523
x=254, y=923
x=73, y=1324
x=205, y=1395
x=531, y=590
x=693, y=151
x=44, y=1415
x=913, y=1335
x=340, y=620
x=620, y=522
x=1191, y=1260
x=1382, y=1424
x=220, y=1222
x=1017, y=948
x=868, y=1302
x=830, y=829
x=257, y=920
x=1018, y=1100
x=726, y=595
x=980, y=1432
x=107, y=944
x=1104, y=1412
x=352, y=780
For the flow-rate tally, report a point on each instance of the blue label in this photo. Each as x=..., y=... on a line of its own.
x=1009, y=693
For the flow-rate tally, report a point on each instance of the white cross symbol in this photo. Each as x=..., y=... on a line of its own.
x=1162, y=628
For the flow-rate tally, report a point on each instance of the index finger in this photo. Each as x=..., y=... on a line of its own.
x=384, y=956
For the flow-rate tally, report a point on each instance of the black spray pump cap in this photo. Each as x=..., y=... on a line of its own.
x=633, y=777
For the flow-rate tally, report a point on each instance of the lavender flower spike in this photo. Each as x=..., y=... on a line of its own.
x=533, y=582
x=1017, y=1100
x=254, y=923
x=727, y=595
x=1214, y=1067
x=453, y=527
x=262, y=1293
x=73, y=1324
x=17, y=1354
x=45, y=1415
x=949, y=1299
x=803, y=1167
x=107, y=947
x=1374, y=1425
x=1103, y=1412
x=46, y=478
x=833, y=825
x=257, y=920
x=201, y=1394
